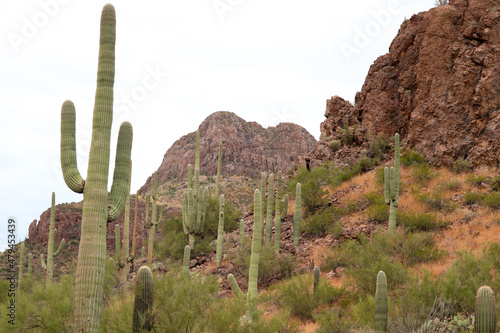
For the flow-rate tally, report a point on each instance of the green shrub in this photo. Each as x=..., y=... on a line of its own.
x=478, y=180
x=412, y=158
x=365, y=164
x=420, y=222
x=423, y=173
x=231, y=217
x=378, y=213
x=461, y=165
x=452, y=185
x=335, y=320
x=379, y=147
x=492, y=200
x=435, y=201
x=472, y=198
x=347, y=135
x=335, y=145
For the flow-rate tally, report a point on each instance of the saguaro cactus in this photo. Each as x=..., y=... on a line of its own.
x=242, y=231
x=219, y=161
x=123, y=259
x=254, y=263
x=156, y=217
x=391, y=189
x=316, y=273
x=99, y=206
x=269, y=218
x=51, y=244
x=30, y=266
x=135, y=232
x=297, y=218
x=381, y=303
x=21, y=264
x=262, y=197
x=143, y=301
x=485, y=310
x=186, y=260
x=277, y=216
x=285, y=207
x=220, y=232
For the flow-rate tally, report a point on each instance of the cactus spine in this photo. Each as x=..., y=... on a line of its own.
x=381, y=303
x=143, y=301
x=21, y=264
x=185, y=261
x=269, y=219
x=391, y=188
x=220, y=232
x=277, y=216
x=99, y=206
x=217, y=181
x=50, y=246
x=316, y=273
x=485, y=310
x=251, y=295
x=297, y=218
x=156, y=217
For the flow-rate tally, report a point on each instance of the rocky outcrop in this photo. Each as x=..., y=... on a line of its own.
x=247, y=149
x=439, y=86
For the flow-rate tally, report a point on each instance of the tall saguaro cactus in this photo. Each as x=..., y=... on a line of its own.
x=254, y=263
x=143, y=301
x=297, y=218
x=485, y=311
x=123, y=258
x=269, y=218
x=220, y=232
x=51, y=254
x=156, y=217
x=277, y=215
x=391, y=189
x=219, y=162
x=135, y=232
x=99, y=206
x=381, y=303
x=21, y=264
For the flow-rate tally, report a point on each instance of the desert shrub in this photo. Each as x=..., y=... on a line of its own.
x=451, y=185
x=466, y=274
x=461, y=165
x=318, y=223
x=471, y=198
x=374, y=198
x=312, y=183
x=181, y=304
x=478, y=180
x=420, y=221
x=335, y=145
x=411, y=157
x=231, y=217
x=378, y=213
x=435, y=201
x=347, y=135
x=379, y=147
x=42, y=308
x=335, y=320
x=422, y=173
x=492, y=200
x=364, y=259
x=171, y=245
x=379, y=175
x=366, y=163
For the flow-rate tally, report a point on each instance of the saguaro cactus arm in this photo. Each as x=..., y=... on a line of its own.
x=269, y=219
x=234, y=287
x=297, y=219
x=220, y=232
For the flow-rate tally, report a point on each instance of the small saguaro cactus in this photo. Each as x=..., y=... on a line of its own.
x=269, y=218
x=316, y=273
x=381, y=303
x=220, y=232
x=143, y=301
x=297, y=218
x=51, y=244
x=99, y=205
x=217, y=181
x=277, y=215
x=30, y=265
x=242, y=231
x=391, y=188
x=285, y=207
x=186, y=260
x=251, y=295
x=262, y=198
x=156, y=216
x=135, y=232
x=21, y=263
x=485, y=310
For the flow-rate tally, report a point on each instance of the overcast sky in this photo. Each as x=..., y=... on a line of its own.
x=176, y=63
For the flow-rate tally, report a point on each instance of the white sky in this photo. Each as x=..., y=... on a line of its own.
x=267, y=61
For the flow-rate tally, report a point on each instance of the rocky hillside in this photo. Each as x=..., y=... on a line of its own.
x=439, y=87
x=248, y=149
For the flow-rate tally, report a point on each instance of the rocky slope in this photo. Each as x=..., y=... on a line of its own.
x=248, y=149
x=439, y=87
